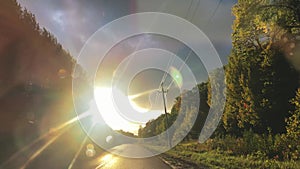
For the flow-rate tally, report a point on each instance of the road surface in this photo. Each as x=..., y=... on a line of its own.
x=109, y=161
x=58, y=150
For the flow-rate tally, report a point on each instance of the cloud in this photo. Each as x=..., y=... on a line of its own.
x=73, y=21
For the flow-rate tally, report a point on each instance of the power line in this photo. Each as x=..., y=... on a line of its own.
x=185, y=60
x=188, y=10
x=192, y=18
x=195, y=11
x=215, y=11
x=171, y=60
x=193, y=14
x=186, y=16
x=165, y=76
x=163, y=91
x=138, y=46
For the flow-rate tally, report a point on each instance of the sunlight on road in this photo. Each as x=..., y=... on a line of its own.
x=108, y=161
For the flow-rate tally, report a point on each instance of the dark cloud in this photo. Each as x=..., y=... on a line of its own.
x=73, y=21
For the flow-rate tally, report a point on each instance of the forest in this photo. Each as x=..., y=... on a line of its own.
x=35, y=79
x=262, y=108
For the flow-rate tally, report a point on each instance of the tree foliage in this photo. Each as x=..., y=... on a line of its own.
x=292, y=136
x=260, y=81
x=35, y=74
x=184, y=113
x=262, y=110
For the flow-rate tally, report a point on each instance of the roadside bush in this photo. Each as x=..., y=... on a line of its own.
x=267, y=146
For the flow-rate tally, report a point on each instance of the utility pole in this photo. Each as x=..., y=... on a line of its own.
x=163, y=91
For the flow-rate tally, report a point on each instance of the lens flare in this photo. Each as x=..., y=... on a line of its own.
x=109, y=112
x=90, y=146
x=176, y=75
x=109, y=139
x=90, y=152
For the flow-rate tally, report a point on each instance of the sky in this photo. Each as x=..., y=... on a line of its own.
x=72, y=22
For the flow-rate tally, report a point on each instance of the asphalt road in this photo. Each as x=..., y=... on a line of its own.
x=58, y=150
x=109, y=161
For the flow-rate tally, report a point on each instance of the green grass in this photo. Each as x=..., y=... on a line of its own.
x=192, y=152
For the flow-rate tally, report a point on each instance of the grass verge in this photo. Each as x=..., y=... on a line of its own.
x=217, y=159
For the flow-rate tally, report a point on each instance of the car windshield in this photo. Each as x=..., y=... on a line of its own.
x=139, y=84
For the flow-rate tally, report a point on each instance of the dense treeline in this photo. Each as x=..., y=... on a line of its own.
x=157, y=126
x=34, y=67
x=262, y=96
x=35, y=78
x=260, y=81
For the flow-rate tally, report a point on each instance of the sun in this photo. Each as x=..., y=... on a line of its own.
x=109, y=111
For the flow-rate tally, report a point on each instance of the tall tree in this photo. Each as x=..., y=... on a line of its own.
x=260, y=81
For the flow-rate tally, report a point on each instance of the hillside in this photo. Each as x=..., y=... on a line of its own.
x=35, y=78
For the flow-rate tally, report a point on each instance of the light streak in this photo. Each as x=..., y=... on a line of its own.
x=80, y=148
x=52, y=131
x=141, y=94
x=40, y=150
